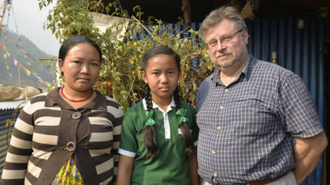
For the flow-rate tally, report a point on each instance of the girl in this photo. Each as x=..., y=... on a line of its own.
x=71, y=134
x=159, y=134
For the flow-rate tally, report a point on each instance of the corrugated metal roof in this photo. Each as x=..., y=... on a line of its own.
x=13, y=104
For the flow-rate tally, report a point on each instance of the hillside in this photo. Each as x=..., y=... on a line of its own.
x=29, y=47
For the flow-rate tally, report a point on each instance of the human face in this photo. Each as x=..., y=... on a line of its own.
x=230, y=56
x=81, y=68
x=162, y=75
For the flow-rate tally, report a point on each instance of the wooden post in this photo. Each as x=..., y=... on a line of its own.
x=19, y=77
x=186, y=8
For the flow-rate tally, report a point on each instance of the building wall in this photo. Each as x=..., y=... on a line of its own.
x=5, y=133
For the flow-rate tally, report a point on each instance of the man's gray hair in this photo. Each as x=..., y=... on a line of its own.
x=218, y=15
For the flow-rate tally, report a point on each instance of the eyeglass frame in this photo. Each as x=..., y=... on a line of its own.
x=222, y=39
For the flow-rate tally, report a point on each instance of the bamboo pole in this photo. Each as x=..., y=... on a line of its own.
x=142, y=25
x=5, y=3
x=19, y=76
x=181, y=32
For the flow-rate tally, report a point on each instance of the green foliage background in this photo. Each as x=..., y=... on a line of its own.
x=123, y=56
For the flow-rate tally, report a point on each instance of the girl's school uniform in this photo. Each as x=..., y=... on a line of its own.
x=170, y=167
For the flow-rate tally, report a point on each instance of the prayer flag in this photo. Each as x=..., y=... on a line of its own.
x=27, y=72
x=11, y=41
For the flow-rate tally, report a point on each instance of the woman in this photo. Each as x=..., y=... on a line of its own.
x=71, y=134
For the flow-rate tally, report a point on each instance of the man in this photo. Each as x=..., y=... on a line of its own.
x=247, y=111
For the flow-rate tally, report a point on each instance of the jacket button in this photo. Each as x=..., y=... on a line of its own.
x=76, y=115
x=71, y=146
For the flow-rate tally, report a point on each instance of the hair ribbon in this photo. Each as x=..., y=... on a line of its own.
x=182, y=112
x=150, y=121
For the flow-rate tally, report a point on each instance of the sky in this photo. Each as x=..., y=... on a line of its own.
x=30, y=19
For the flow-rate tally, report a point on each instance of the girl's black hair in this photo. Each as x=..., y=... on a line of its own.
x=153, y=52
x=73, y=41
x=149, y=132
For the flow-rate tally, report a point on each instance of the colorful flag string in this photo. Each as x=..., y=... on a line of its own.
x=21, y=48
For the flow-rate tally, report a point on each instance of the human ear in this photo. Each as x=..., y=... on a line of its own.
x=60, y=65
x=144, y=77
x=246, y=36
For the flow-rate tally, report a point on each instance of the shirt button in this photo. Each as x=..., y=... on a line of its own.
x=214, y=152
x=76, y=115
x=226, y=90
x=71, y=146
x=222, y=107
x=215, y=174
x=219, y=128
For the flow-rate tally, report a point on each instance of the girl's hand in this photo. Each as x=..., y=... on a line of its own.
x=125, y=168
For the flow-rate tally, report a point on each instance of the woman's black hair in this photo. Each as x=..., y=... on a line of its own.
x=73, y=41
x=149, y=132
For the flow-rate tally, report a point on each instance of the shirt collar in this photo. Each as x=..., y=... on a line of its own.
x=54, y=98
x=154, y=105
x=246, y=70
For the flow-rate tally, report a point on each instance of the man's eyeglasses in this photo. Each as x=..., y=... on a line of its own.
x=225, y=40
